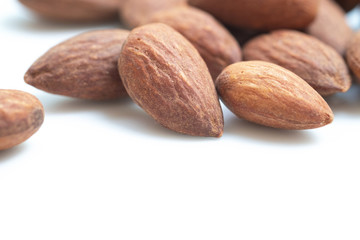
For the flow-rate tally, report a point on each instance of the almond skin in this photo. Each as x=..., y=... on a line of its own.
x=267, y=94
x=134, y=13
x=314, y=61
x=74, y=10
x=21, y=115
x=165, y=75
x=213, y=41
x=353, y=56
x=84, y=66
x=330, y=26
x=260, y=14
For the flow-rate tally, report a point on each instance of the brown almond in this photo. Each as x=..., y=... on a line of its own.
x=165, y=75
x=353, y=56
x=314, y=61
x=84, y=66
x=348, y=5
x=135, y=13
x=21, y=115
x=270, y=95
x=74, y=10
x=331, y=27
x=214, y=42
x=260, y=14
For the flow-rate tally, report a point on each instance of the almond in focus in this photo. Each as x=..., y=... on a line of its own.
x=270, y=95
x=166, y=76
x=85, y=66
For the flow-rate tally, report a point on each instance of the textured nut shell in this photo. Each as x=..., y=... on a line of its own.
x=330, y=26
x=21, y=115
x=270, y=95
x=317, y=63
x=348, y=5
x=84, y=66
x=213, y=41
x=74, y=10
x=165, y=75
x=353, y=56
x=137, y=12
x=260, y=14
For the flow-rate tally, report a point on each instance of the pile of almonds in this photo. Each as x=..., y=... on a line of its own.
x=270, y=62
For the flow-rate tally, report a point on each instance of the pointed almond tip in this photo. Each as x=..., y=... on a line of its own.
x=219, y=134
x=28, y=79
x=330, y=118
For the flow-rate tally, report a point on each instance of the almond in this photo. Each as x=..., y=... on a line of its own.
x=353, y=56
x=165, y=75
x=267, y=94
x=137, y=12
x=84, y=66
x=314, y=61
x=260, y=14
x=330, y=26
x=21, y=115
x=74, y=10
x=214, y=42
x=348, y=5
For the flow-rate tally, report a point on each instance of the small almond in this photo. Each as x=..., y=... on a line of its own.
x=74, y=10
x=214, y=42
x=135, y=13
x=270, y=95
x=261, y=14
x=166, y=76
x=331, y=27
x=21, y=115
x=84, y=66
x=314, y=61
x=353, y=56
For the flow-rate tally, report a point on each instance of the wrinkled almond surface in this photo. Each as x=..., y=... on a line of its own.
x=213, y=41
x=137, y=12
x=21, y=115
x=84, y=66
x=353, y=56
x=260, y=14
x=74, y=10
x=165, y=75
x=267, y=94
x=317, y=63
x=330, y=26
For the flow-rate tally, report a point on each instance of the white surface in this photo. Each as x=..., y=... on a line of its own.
x=108, y=171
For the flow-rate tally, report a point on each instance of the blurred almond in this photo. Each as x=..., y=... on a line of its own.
x=214, y=42
x=353, y=56
x=314, y=61
x=137, y=12
x=260, y=14
x=74, y=10
x=21, y=115
x=331, y=27
x=348, y=5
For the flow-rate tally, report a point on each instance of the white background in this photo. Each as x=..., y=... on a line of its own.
x=108, y=171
